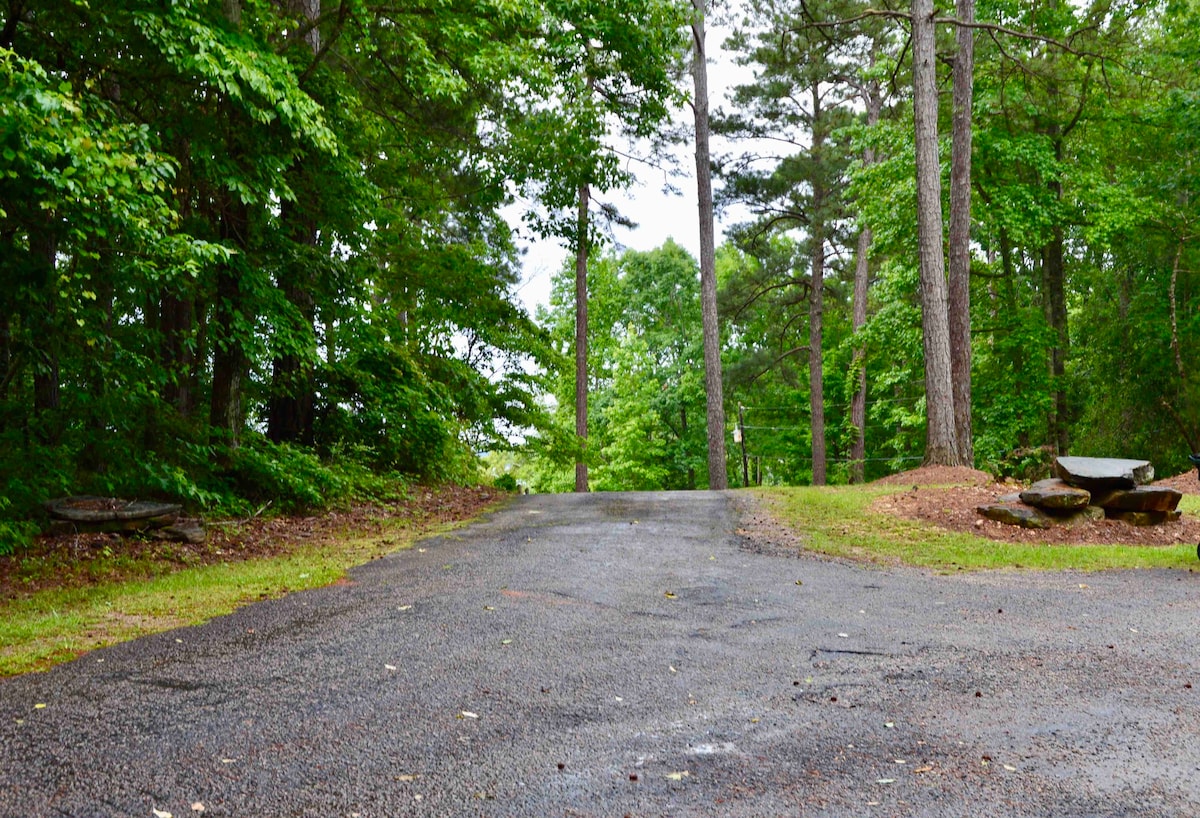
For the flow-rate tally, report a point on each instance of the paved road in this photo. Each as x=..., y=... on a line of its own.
x=613, y=655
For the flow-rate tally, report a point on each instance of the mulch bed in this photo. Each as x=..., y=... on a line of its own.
x=234, y=540
x=930, y=499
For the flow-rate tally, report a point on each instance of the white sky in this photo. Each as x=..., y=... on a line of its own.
x=659, y=215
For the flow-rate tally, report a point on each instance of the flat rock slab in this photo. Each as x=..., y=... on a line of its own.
x=1087, y=514
x=1141, y=518
x=1142, y=498
x=1016, y=514
x=1056, y=494
x=1100, y=473
x=91, y=509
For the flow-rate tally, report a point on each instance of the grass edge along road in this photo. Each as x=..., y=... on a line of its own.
x=55, y=625
x=838, y=521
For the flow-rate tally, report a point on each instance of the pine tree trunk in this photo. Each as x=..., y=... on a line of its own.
x=581, y=344
x=941, y=443
x=816, y=378
x=713, y=387
x=862, y=282
x=960, y=233
x=858, y=402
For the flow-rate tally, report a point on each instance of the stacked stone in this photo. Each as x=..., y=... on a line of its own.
x=1087, y=489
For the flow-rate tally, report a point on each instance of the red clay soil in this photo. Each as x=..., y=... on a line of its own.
x=931, y=499
x=235, y=540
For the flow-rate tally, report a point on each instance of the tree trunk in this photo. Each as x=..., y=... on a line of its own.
x=683, y=432
x=47, y=398
x=1055, y=305
x=6, y=367
x=816, y=379
x=177, y=324
x=230, y=361
x=582, y=244
x=293, y=392
x=816, y=301
x=941, y=443
x=858, y=402
x=713, y=388
x=960, y=233
x=862, y=281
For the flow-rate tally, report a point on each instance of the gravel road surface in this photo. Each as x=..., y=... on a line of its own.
x=631, y=655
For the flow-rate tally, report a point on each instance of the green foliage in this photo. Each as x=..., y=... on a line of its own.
x=646, y=397
x=240, y=264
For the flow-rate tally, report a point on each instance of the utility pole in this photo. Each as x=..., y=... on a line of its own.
x=741, y=438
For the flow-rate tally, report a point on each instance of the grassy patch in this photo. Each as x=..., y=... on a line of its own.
x=124, y=601
x=838, y=521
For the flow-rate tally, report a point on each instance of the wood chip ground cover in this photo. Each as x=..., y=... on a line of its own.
x=952, y=507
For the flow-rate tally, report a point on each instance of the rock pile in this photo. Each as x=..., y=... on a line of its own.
x=1087, y=489
x=112, y=514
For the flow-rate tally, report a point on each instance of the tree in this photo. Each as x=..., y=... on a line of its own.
x=713, y=385
x=941, y=442
x=645, y=348
x=801, y=101
x=959, y=292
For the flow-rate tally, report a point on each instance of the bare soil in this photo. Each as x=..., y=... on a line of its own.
x=932, y=500
x=937, y=476
x=67, y=560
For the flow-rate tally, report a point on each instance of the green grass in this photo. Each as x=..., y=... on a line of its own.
x=838, y=521
x=44, y=628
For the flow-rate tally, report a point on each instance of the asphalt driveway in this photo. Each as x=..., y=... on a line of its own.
x=630, y=654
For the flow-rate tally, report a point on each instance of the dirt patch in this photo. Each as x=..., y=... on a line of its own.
x=762, y=531
x=937, y=476
x=1186, y=482
x=953, y=508
x=71, y=560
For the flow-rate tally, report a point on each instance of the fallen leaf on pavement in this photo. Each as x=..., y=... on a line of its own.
x=669, y=594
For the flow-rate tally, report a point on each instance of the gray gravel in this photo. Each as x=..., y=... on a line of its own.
x=612, y=655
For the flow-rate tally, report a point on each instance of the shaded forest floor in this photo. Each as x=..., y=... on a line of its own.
x=931, y=499
x=79, y=560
